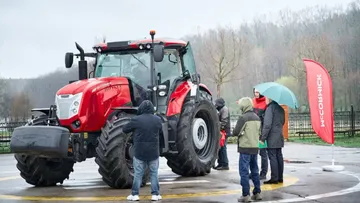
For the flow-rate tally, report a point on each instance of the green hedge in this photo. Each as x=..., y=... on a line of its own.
x=4, y=148
x=232, y=140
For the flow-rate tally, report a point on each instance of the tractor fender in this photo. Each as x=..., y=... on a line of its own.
x=177, y=98
x=205, y=88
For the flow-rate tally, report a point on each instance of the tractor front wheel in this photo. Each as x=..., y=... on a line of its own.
x=39, y=171
x=115, y=155
x=197, y=138
x=43, y=172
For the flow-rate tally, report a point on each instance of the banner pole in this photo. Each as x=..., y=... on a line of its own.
x=332, y=152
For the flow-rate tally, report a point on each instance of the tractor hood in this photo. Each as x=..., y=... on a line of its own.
x=91, y=84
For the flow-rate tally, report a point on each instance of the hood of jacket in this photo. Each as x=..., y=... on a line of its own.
x=245, y=104
x=219, y=103
x=146, y=107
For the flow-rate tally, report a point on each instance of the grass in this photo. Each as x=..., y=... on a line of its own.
x=4, y=147
x=232, y=140
x=340, y=140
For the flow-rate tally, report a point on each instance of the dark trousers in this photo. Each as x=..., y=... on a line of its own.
x=222, y=156
x=276, y=163
x=264, y=162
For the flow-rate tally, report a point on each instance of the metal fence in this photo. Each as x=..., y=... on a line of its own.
x=346, y=123
x=299, y=124
x=5, y=134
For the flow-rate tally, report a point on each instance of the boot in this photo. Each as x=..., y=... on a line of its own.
x=244, y=199
x=256, y=197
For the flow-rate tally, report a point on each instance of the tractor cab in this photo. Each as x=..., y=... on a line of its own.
x=135, y=65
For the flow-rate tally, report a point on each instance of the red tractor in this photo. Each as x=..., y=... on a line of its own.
x=87, y=118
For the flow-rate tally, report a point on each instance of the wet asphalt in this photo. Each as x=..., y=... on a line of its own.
x=304, y=181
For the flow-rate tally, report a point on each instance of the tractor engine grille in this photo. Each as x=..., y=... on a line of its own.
x=63, y=103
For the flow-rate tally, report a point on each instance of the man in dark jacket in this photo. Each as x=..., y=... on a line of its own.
x=272, y=132
x=146, y=128
x=224, y=117
x=259, y=102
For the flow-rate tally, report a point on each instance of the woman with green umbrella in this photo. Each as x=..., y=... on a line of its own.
x=274, y=121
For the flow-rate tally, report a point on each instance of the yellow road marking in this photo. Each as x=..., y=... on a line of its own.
x=288, y=180
x=9, y=178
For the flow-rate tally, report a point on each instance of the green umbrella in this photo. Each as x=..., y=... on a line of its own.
x=278, y=93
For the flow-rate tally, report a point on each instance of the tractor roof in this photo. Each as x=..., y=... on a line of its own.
x=138, y=44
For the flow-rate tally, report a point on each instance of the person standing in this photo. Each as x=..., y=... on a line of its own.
x=259, y=102
x=272, y=132
x=247, y=130
x=146, y=127
x=224, y=117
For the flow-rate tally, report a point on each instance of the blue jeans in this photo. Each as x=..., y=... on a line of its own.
x=139, y=169
x=247, y=161
x=222, y=156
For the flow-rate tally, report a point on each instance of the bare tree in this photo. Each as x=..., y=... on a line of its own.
x=20, y=109
x=2, y=98
x=316, y=47
x=221, y=54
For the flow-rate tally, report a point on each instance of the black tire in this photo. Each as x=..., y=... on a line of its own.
x=42, y=172
x=189, y=161
x=114, y=155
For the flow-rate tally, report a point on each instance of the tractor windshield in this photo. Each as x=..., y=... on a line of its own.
x=136, y=66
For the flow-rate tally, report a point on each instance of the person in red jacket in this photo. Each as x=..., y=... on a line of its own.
x=259, y=102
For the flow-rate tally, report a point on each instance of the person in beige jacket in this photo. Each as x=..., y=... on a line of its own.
x=248, y=130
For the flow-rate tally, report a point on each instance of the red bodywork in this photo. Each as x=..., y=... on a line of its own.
x=178, y=96
x=99, y=96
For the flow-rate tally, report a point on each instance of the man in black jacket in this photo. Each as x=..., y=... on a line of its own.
x=272, y=132
x=224, y=117
x=145, y=127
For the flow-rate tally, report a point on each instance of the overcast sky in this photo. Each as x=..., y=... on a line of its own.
x=35, y=34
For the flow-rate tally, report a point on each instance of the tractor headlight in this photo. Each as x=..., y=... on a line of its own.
x=162, y=90
x=57, y=107
x=75, y=105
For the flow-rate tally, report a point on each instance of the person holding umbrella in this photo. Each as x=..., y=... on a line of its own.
x=272, y=132
x=274, y=120
x=259, y=102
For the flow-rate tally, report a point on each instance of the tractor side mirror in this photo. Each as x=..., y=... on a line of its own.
x=158, y=53
x=69, y=58
x=195, y=78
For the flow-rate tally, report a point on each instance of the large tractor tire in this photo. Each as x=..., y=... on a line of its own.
x=42, y=172
x=115, y=154
x=197, y=138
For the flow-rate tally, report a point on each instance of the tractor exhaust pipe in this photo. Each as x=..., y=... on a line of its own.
x=152, y=72
x=82, y=63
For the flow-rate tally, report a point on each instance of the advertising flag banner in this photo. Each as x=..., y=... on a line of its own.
x=320, y=98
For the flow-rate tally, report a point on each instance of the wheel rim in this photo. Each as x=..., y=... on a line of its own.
x=200, y=133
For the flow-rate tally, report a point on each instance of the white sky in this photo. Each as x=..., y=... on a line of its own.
x=34, y=35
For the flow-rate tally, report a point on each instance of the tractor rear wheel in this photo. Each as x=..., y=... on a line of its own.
x=39, y=171
x=197, y=138
x=115, y=154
